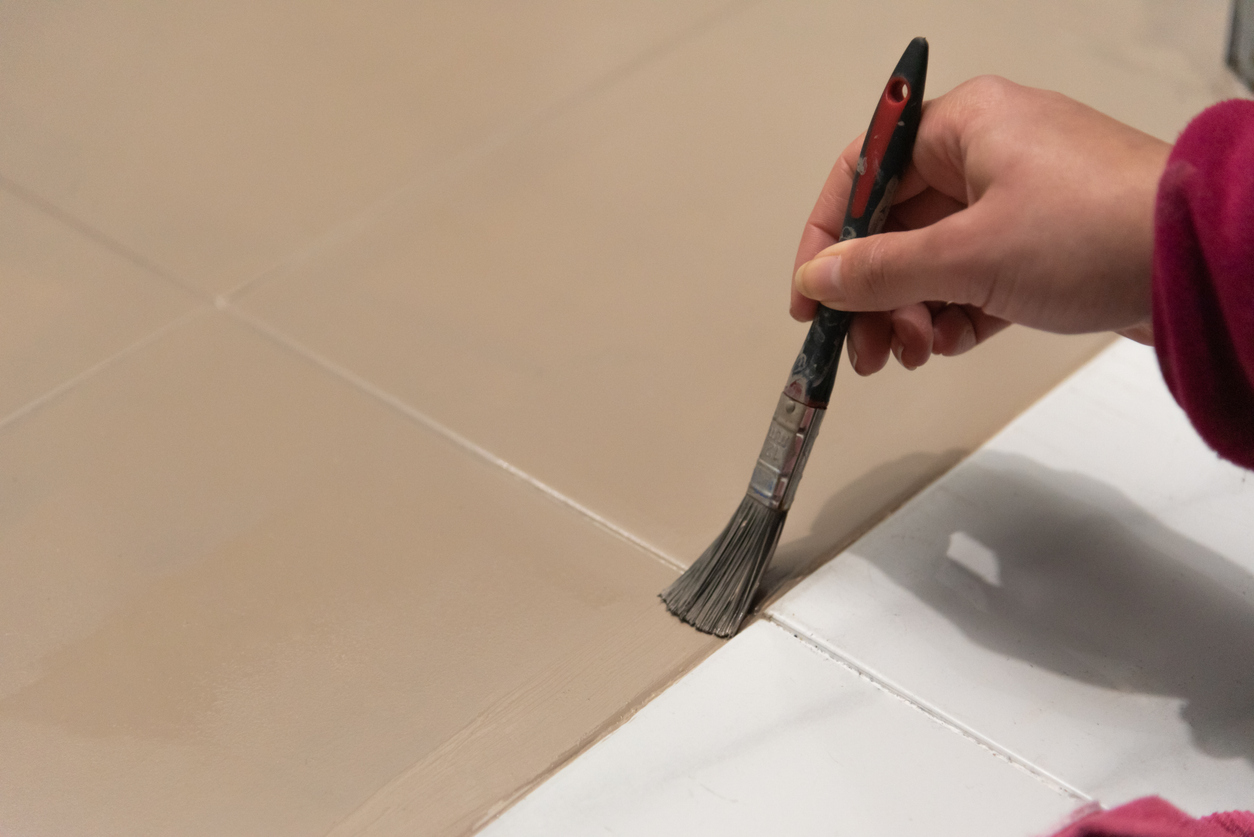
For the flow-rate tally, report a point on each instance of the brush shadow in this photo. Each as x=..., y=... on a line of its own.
x=848, y=514
x=1068, y=574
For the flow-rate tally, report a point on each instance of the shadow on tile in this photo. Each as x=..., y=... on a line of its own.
x=1066, y=573
x=848, y=514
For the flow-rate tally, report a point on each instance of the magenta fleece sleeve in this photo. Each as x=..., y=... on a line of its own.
x=1203, y=293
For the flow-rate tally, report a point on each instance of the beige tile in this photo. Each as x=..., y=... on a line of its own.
x=238, y=596
x=1151, y=63
x=67, y=303
x=602, y=302
x=217, y=138
x=1177, y=47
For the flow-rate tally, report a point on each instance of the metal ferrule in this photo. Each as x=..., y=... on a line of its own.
x=793, y=430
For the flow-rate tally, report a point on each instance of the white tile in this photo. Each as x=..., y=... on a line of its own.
x=1080, y=592
x=772, y=736
x=1117, y=422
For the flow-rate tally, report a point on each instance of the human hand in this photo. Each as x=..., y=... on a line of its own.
x=1020, y=206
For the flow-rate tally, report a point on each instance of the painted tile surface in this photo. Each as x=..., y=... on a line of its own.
x=1080, y=592
x=219, y=138
x=67, y=303
x=602, y=302
x=771, y=736
x=239, y=596
x=244, y=588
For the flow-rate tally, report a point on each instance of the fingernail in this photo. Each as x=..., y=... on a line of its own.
x=820, y=279
x=898, y=348
x=967, y=342
x=853, y=358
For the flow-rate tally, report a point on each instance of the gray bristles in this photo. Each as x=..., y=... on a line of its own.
x=715, y=593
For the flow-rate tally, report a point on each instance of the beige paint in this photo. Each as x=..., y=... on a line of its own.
x=217, y=138
x=66, y=303
x=602, y=302
x=240, y=596
x=244, y=587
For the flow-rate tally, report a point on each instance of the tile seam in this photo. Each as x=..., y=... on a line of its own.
x=595, y=736
x=73, y=382
x=344, y=228
x=465, y=159
x=422, y=419
x=1045, y=777
x=102, y=239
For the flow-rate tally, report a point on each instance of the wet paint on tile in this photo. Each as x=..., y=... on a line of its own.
x=239, y=596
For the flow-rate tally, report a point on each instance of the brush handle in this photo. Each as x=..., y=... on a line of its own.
x=885, y=154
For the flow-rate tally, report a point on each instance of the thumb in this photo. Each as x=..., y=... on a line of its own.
x=883, y=272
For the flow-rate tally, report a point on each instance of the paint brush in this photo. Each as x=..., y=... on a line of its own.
x=716, y=592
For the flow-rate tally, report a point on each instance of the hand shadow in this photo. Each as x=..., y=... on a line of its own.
x=1072, y=576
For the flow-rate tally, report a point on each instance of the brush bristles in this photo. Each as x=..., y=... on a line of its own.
x=715, y=593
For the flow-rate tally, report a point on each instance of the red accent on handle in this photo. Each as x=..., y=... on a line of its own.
x=887, y=113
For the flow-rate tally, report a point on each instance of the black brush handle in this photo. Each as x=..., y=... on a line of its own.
x=885, y=155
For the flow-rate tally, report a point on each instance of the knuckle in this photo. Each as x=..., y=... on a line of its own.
x=986, y=95
x=989, y=87
x=963, y=258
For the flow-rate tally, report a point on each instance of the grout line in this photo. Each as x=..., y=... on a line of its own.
x=117, y=248
x=346, y=230
x=1055, y=783
x=92, y=234
x=464, y=160
x=448, y=433
x=66, y=385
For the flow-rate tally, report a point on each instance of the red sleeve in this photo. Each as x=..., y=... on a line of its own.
x=1203, y=293
x=1152, y=817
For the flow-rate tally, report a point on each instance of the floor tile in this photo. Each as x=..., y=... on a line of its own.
x=217, y=139
x=1177, y=46
x=1080, y=592
x=602, y=302
x=769, y=736
x=67, y=303
x=238, y=596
